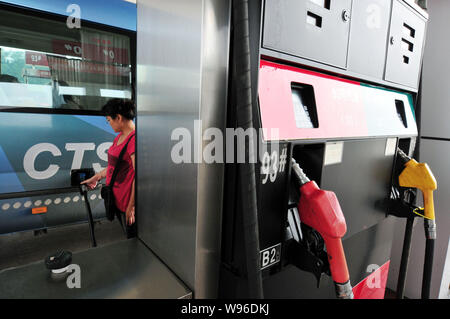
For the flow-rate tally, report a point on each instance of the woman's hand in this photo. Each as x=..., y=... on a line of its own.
x=130, y=215
x=92, y=182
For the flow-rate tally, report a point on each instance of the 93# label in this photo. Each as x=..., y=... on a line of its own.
x=270, y=256
x=272, y=165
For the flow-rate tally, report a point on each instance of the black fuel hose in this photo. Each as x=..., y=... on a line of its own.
x=405, y=257
x=83, y=191
x=243, y=84
x=427, y=268
x=430, y=233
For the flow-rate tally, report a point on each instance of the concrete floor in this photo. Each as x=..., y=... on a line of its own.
x=23, y=248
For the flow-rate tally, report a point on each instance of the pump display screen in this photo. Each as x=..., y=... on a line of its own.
x=304, y=106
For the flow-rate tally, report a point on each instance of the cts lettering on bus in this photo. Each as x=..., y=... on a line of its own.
x=78, y=149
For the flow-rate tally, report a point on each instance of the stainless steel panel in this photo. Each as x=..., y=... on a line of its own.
x=214, y=80
x=368, y=37
x=435, y=113
x=308, y=29
x=168, y=81
x=406, y=39
x=182, y=57
x=125, y=269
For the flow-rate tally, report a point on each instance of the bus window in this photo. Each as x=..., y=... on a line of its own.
x=45, y=64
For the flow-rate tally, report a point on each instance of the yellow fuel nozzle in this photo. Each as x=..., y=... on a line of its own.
x=419, y=175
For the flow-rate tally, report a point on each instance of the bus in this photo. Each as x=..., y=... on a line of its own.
x=59, y=64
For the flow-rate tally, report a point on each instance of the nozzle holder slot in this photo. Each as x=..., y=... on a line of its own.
x=310, y=157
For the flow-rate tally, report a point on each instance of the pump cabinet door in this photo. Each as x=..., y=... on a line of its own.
x=316, y=30
x=405, y=45
x=368, y=37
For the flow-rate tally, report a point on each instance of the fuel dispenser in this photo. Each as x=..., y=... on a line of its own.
x=331, y=123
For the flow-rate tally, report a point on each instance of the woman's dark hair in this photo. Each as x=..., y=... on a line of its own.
x=126, y=108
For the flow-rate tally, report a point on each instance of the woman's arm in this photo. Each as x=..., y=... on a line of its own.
x=92, y=182
x=102, y=174
x=130, y=208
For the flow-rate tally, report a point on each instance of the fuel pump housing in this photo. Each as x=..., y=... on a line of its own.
x=341, y=101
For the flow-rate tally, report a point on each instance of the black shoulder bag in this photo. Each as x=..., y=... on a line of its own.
x=107, y=190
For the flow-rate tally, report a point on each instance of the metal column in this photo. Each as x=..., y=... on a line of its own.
x=182, y=75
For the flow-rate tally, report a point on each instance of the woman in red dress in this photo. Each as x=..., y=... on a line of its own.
x=120, y=114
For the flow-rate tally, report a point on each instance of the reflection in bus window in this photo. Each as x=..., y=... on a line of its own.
x=45, y=64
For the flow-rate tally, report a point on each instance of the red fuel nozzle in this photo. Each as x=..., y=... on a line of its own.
x=321, y=211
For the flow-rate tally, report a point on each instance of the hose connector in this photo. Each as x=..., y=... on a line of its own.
x=402, y=155
x=430, y=228
x=344, y=291
x=301, y=176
